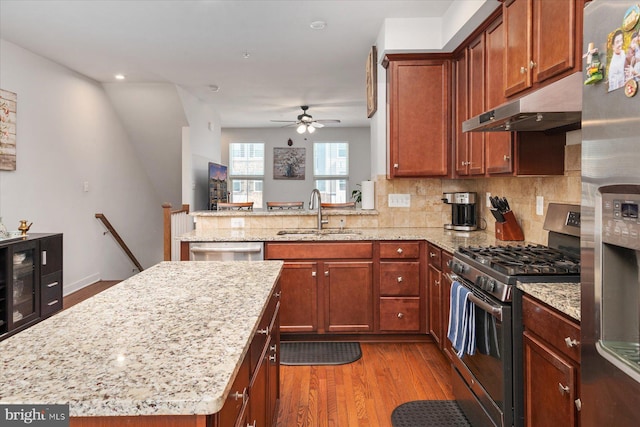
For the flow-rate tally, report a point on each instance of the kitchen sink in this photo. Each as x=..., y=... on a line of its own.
x=314, y=232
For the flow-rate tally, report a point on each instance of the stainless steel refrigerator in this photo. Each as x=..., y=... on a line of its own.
x=610, y=235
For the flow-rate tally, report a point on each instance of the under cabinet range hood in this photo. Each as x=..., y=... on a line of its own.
x=557, y=106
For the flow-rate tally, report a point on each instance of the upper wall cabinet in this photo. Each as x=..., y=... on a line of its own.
x=418, y=114
x=541, y=41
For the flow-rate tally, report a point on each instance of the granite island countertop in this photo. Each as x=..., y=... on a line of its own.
x=167, y=341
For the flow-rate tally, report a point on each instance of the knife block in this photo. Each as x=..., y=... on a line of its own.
x=509, y=229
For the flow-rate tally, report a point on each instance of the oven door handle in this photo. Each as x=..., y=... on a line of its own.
x=492, y=310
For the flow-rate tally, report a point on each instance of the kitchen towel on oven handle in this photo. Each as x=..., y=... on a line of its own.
x=462, y=323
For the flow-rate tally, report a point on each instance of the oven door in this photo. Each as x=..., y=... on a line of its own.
x=487, y=373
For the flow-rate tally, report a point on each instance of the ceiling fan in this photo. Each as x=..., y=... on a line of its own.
x=305, y=122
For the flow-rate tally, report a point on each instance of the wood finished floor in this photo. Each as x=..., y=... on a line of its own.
x=363, y=393
x=359, y=394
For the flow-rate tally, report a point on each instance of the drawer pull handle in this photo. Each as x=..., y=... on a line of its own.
x=506, y=158
x=532, y=64
x=264, y=331
x=431, y=254
x=277, y=294
x=51, y=285
x=326, y=273
x=400, y=251
x=44, y=257
x=54, y=302
x=523, y=70
x=314, y=274
x=272, y=358
x=399, y=279
x=571, y=342
x=273, y=347
x=436, y=282
x=252, y=425
x=563, y=389
x=237, y=395
x=396, y=166
x=578, y=403
x=400, y=315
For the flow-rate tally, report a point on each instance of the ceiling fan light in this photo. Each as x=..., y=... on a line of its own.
x=311, y=129
x=301, y=128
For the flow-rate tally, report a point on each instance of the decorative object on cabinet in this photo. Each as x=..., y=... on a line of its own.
x=289, y=163
x=24, y=227
x=8, y=114
x=372, y=82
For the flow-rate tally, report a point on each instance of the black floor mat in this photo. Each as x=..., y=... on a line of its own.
x=319, y=353
x=429, y=413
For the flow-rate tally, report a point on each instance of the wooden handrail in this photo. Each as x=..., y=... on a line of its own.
x=166, y=208
x=121, y=242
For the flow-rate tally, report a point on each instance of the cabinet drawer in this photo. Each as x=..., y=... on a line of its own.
x=399, y=250
x=238, y=396
x=434, y=255
x=264, y=329
x=400, y=314
x=330, y=250
x=553, y=327
x=400, y=278
x=51, y=293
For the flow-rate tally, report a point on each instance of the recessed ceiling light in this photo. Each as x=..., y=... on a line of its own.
x=318, y=25
x=246, y=55
x=214, y=88
x=119, y=76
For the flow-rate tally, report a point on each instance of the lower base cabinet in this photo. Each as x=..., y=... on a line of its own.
x=551, y=357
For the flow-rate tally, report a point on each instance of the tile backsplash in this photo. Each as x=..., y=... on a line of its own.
x=428, y=210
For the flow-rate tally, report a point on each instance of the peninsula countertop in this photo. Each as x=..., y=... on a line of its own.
x=167, y=341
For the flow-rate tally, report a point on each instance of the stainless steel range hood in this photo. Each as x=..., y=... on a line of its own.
x=555, y=106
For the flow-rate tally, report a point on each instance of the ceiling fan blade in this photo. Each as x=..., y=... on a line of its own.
x=328, y=121
x=316, y=125
x=283, y=121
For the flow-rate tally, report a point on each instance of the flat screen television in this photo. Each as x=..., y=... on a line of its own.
x=217, y=185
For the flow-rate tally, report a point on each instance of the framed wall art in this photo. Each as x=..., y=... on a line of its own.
x=372, y=82
x=288, y=163
x=8, y=104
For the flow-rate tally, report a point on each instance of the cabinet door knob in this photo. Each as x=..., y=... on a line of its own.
x=532, y=64
x=277, y=294
x=523, y=70
x=578, y=403
x=563, y=389
x=273, y=347
x=431, y=254
x=314, y=274
x=506, y=158
x=264, y=331
x=326, y=273
x=272, y=358
x=400, y=251
x=252, y=425
x=400, y=315
x=436, y=282
x=399, y=279
x=396, y=166
x=237, y=395
x=571, y=342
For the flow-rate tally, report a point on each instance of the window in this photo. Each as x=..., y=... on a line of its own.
x=331, y=170
x=246, y=172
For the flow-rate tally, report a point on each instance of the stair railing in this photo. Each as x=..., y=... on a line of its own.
x=176, y=223
x=119, y=240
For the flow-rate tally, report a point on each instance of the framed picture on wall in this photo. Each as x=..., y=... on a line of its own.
x=8, y=104
x=288, y=163
x=372, y=77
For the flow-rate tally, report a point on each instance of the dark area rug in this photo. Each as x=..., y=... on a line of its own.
x=319, y=353
x=429, y=413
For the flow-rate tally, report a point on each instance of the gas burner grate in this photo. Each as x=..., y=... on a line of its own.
x=523, y=260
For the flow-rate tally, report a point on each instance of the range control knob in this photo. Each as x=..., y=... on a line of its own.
x=481, y=282
x=491, y=285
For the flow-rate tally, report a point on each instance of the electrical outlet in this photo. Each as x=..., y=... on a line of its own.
x=488, y=201
x=539, y=205
x=237, y=222
x=399, y=200
x=85, y=186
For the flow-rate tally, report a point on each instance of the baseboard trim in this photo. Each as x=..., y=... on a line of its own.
x=82, y=283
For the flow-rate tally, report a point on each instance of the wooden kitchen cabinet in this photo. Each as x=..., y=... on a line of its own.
x=543, y=41
x=31, y=284
x=476, y=100
x=439, y=290
x=418, y=114
x=445, y=304
x=401, y=301
x=327, y=287
x=551, y=358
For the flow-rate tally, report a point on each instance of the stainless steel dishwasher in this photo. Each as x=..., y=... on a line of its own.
x=226, y=251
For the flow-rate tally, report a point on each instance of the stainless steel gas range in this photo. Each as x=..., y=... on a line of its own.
x=488, y=382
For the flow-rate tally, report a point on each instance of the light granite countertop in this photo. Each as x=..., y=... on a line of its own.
x=446, y=239
x=564, y=297
x=167, y=341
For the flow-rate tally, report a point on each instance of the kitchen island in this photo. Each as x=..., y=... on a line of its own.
x=161, y=348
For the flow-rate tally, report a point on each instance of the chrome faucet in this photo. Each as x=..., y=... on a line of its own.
x=315, y=198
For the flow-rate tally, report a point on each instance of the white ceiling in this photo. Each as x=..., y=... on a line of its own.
x=195, y=44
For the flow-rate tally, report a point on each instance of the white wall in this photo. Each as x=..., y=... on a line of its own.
x=68, y=133
x=202, y=144
x=299, y=190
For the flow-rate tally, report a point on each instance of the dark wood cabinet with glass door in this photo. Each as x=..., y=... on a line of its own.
x=30, y=281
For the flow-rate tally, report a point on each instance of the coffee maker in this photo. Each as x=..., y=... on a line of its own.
x=463, y=211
